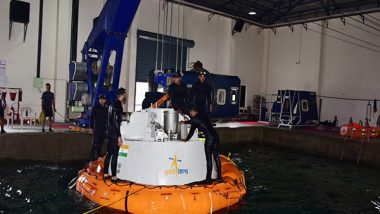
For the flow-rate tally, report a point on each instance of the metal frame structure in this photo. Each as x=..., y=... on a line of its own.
x=294, y=117
x=277, y=13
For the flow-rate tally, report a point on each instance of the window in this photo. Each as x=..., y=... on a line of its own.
x=305, y=105
x=141, y=88
x=221, y=97
x=234, y=96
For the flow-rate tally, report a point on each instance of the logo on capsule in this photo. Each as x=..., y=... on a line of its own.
x=174, y=168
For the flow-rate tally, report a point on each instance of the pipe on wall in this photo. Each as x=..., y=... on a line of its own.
x=74, y=30
x=40, y=38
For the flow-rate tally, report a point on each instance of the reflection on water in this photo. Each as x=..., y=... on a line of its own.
x=278, y=181
x=377, y=204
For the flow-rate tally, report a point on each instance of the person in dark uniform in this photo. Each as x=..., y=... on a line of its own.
x=178, y=95
x=201, y=95
x=48, y=106
x=114, y=118
x=204, y=125
x=2, y=121
x=98, y=126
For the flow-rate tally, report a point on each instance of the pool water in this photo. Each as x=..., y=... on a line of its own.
x=278, y=181
x=284, y=181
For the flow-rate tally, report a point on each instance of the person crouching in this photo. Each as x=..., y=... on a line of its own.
x=203, y=124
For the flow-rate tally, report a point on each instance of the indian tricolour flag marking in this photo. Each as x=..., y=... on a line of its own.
x=123, y=152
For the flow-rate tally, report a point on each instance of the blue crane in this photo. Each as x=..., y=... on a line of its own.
x=88, y=77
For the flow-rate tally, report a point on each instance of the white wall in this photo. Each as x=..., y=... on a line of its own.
x=349, y=71
x=247, y=60
x=88, y=10
x=21, y=57
x=293, y=60
x=328, y=66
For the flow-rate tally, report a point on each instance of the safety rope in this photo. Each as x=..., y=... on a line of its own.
x=162, y=187
x=330, y=97
x=108, y=205
x=344, y=98
x=183, y=187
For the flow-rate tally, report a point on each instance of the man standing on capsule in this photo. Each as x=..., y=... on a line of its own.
x=201, y=95
x=178, y=95
x=115, y=111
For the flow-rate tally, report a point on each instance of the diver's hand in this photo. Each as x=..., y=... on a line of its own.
x=119, y=141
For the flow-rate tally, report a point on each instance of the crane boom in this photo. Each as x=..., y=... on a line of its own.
x=107, y=36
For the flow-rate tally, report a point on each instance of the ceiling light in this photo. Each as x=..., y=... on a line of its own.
x=252, y=13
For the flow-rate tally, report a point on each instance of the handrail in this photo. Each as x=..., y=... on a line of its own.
x=160, y=101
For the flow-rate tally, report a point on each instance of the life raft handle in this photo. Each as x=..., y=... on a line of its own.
x=72, y=183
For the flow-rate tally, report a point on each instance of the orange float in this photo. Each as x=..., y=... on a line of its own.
x=138, y=198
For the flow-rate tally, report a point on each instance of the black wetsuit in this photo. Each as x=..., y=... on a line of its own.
x=98, y=122
x=201, y=97
x=179, y=97
x=1, y=108
x=204, y=125
x=113, y=133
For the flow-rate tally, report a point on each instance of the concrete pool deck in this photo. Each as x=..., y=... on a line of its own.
x=73, y=146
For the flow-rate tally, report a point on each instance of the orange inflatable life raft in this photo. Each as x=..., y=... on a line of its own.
x=138, y=198
x=358, y=131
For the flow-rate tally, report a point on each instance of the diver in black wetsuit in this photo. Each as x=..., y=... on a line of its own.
x=114, y=136
x=1, y=116
x=201, y=95
x=178, y=95
x=98, y=126
x=211, y=143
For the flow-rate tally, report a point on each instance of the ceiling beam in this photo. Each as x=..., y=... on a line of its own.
x=311, y=11
x=275, y=13
x=278, y=17
x=226, y=4
x=271, y=11
x=334, y=16
x=209, y=9
x=326, y=7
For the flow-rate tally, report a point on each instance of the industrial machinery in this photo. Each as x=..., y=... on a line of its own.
x=94, y=75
